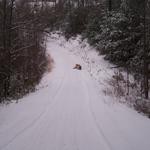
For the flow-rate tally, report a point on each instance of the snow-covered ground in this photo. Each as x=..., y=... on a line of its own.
x=70, y=111
x=99, y=69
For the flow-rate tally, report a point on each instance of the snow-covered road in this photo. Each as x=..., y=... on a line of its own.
x=68, y=113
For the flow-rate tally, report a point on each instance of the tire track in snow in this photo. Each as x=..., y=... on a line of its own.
x=39, y=117
x=75, y=139
x=111, y=118
x=115, y=122
x=99, y=129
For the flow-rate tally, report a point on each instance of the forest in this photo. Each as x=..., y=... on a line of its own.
x=118, y=29
x=74, y=74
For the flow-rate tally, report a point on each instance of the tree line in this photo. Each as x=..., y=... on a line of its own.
x=22, y=47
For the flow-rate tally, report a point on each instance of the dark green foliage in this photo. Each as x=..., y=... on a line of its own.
x=75, y=21
x=117, y=35
x=93, y=28
x=137, y=6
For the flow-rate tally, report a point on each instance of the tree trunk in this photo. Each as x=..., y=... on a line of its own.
x=146, y=86
x=4, y=25
x=110, y=5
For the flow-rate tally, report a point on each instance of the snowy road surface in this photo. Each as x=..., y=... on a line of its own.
x=69, y=114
